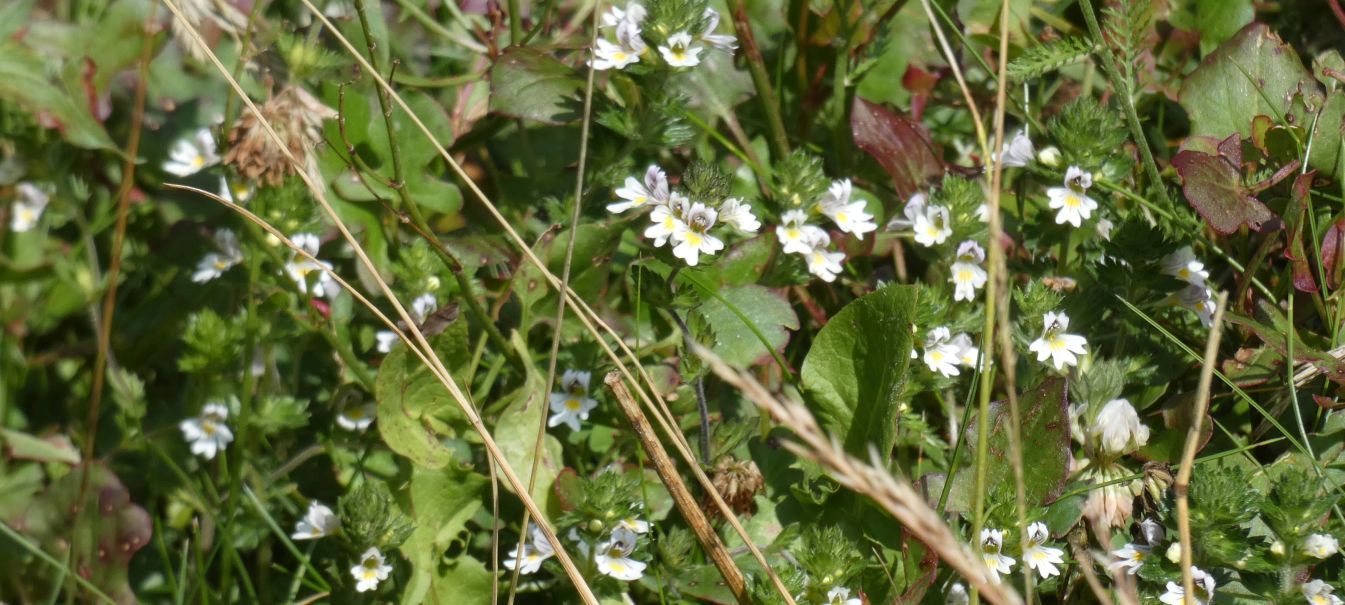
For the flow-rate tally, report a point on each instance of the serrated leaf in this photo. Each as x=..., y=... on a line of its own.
x=728, y=314
x=414, y=410
x=23, y=83
x=526, y=83
x=1213, y=186
x=855, y=371
x=1253, y=73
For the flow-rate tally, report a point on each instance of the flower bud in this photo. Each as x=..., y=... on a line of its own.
x=1049, y=156
x=1117, y=429
x=1174, y=552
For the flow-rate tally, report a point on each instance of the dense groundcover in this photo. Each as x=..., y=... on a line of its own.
x=835, y=302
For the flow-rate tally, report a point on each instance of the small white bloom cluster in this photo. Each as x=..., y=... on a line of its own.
x=1204, y=588
x=30, y=201
x=1318, y=592
x=1071, y=200
x=679, y=49
x=612, y=556
x=1196, y=296
x=798, y=236
x=1054, y=344
x=207, y=434
x=300, y=268
x=931, y=224
x=1320, y=546
x=572, y=404
x=943, y=352
x=676, y=218
x=841, y=596
x=196, y=152
x=1036, y=555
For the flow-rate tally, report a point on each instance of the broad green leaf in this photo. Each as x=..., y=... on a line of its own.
x=526, y=83
x=516, y=433
x=855, y=372
x=1046, y=449
x=746, y=261
x=440, y=503
x=414, y=410
x=22, y=446
x=1214, y=20
x=22, y=82
x=730, y=309
x=588, y=273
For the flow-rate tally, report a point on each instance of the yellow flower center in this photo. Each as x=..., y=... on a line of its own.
x=574, y=405
x=694, y=238
x=355, y=414
x=1057, y=344
x=964, y=275
x=198, y=161
x=208, y=428
x=841, y=217
x=1073, y=201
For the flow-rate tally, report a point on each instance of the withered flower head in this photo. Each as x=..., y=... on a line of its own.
x=738, y=482
x=297, y=117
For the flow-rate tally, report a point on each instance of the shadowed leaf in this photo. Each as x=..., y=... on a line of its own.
x=901, y=145
x=1213, y=186
x=525, y=83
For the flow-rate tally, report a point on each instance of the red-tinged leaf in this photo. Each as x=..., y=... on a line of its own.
x=920, y=84
x=1328, y=403
x=1213, y=186
x=1295, y=215
x=901, y=145
x=1333, y=253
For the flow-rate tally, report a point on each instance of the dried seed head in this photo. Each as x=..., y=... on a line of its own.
x=738, y=482
x=297, y=117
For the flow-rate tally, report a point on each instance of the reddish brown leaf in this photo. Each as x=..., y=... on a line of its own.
x=1213, y=186
x=1333, y=253
x=1295, y=215
x=901, y=145
x=920, y=83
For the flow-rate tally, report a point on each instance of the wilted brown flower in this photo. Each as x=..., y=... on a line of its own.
x=210, y=18
x=297, y=117
x=738, y=482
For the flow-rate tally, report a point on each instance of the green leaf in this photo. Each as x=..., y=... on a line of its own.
x=855, y=372
x=1213, y=186
x=22, y=446
x=525, y=83
x=441, y=502
x=1222, y=94
x=516, y=433
x=728, y=314
x=1214, y=20
x=590, y=269
x=22, y=82
x=414, y=410
x=746, y=261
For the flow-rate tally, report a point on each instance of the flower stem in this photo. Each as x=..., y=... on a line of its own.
x=761, y=79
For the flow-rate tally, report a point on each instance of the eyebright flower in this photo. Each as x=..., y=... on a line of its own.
x=619, y=54
x=1204, y=587
x=930, y=224
x=1104, y=228
x=1072, y=199
x=1318, y=592
x=299, y=268
x=384, y=339
x=30, y=201
x=1049, y=156
x=1320, y=546
x=991, y=542
x=1040, y=557
x=957, y=594
x=357, y=417
x=634, y=524
x=795, y=234
x=653, y=190
x=967, y=352
x=613, y=556
x=941, y=355
x=679, y=51
x=214, y=264
x=189, y=156
x=841, y=596
x=1018, y=151
x=968, y=276
x=693, y=235
x=319, y=521
x=237, y=192
x=1199, y=299
x=1183, y=265
x=572, y=404
x=208, y=433
x=1055, y=344
x=734, y=213
x=1117, y=430
x=373, y=568
x=533, y=554
x=822, y=262
x=1129, y=557
x=615, y=16
x=849, y=217
x=666, y=219
x=422, y=307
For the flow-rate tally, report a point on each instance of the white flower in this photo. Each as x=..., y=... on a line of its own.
x=841, y=596
x=634, y=524
x=848, y=216
x=610, y=55
x=666, y=219
x=384, y=340
x=1320, y=546
x=214, y=264
x=1117, y=429
x=654, y=190
x=1112, y=501
x=983, y=212
x=1204, y=586
x=1055, y=344
x=30, y=201
x=299, y=268
x=1318, y=592
x=208, y=433
x=191, y=155
x=1152, y=532
x=734, y=213
x=679, y=51
x=957, y=594
x=941, y=355
x=1183, y=265
x=634, y=13
x=1104, y=228
x=720, y=41
x=1072, y=199
x=1129, y=557
x=930, y=224
x=613, y=556
x=795, y=234
x=1040, y=557
x=572, y=404
x=533, y=554
x=371, y=570
x=319, y=521
x=968, y=276
x=822, y=262
x=357, y=417
x=237, y=192
x=422, y=307
x=1200, y=299
x=1018, y=151
x=967, y=352
x=693, y=237
x=991, y=542
x=1174, y=553
x=1049, y=156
